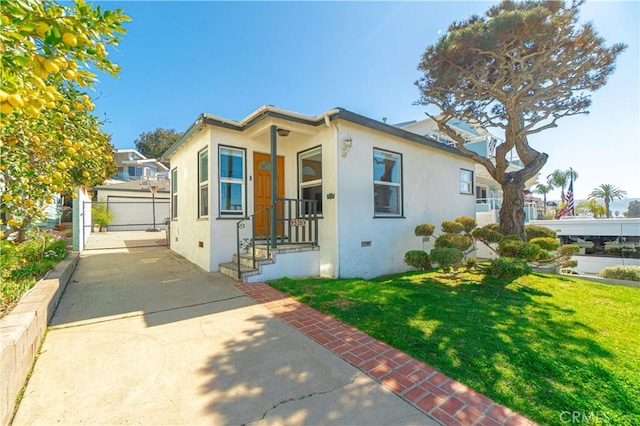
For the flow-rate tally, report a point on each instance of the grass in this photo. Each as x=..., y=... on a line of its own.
x=24, y=264
x=541, y=344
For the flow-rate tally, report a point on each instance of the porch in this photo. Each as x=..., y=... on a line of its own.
x=290, y=234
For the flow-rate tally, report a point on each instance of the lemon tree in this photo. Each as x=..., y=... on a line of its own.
x=50, y=142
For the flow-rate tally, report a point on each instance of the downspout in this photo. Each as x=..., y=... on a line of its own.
x=328, y=123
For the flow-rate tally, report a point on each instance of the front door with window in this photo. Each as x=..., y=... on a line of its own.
x=262, y=188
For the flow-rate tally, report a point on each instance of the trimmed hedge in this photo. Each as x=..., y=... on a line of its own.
x=537, y=231
x=417, y=259
x=508, y=268
x=446, y=257
x=621, y=272
x=424, y=230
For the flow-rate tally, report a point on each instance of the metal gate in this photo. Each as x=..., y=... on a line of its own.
x=125, y=224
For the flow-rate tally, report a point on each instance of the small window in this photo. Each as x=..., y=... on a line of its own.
x=310, y=176
x=481, y=195
x=387, y=183
x=466, y=181
x=203, y=183
x=174, y=193
x=232, y=185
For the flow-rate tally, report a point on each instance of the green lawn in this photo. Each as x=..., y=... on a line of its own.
x=541, y=345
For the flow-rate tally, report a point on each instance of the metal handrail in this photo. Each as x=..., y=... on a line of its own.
x=298, y=217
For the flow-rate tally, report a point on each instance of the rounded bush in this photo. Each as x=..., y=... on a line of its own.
x=519, y=249
x=487, y=235
x=457, y=241
x=468, y=223
x=417, y=259
x=546, y=243
x=451, y=227
x=424, y=230
x=621, y=272
x=508, y=268
x=446, y=257
x=537, y=231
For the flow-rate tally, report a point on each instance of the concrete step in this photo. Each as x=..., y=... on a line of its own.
x=246, y=260
x=230, y=269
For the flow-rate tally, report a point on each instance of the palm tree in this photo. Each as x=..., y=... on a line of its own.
x=560, y=179
x=543, y=189
x=608, y=193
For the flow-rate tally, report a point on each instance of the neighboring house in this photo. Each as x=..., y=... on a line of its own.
x=368, y=183
x=488, y=192
x=133, y=165
x=132, y=203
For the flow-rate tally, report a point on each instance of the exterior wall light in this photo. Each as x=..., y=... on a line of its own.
x=346, y=146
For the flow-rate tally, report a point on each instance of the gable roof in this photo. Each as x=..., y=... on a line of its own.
x=269, y=111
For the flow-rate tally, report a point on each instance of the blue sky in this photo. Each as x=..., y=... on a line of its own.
x=180, y=59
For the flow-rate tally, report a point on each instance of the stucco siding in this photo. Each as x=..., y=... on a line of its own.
x=431, y=194
x=188, y=231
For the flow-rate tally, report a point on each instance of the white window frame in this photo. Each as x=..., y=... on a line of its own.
x=398, y=184
x=466, y=185
x=174, y=193
x=234, y=181
x=203, y=184
x=312, y=183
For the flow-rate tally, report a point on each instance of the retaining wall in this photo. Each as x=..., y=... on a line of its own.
x=22, y=330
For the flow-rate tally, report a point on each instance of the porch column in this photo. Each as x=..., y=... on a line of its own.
x=274, y=185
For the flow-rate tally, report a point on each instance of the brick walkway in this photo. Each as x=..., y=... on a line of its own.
x=445, y=399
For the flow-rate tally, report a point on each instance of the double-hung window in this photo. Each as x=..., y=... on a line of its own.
x=387, y=183
x=232, y=184
x=203, y=183
x=310, y=176
x=174, y=194
x=466, y=181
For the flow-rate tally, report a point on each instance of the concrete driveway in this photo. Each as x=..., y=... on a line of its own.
x=146, y=337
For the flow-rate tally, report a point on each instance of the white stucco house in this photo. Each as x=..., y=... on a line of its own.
x=487, y=191
x=365, y=186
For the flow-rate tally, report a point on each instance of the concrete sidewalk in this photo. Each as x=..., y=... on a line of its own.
x=147, y=338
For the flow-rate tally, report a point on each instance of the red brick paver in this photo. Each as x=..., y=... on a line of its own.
x=431, y=391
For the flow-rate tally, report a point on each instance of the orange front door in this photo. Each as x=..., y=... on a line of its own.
x=262, y=188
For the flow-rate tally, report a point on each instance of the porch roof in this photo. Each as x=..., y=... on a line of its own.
x=269, y=111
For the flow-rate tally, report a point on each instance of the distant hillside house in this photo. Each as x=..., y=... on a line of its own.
x=132, y=165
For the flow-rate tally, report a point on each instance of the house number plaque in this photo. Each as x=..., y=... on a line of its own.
x=298, y=222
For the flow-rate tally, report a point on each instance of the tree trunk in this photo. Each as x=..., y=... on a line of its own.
x=512, y=210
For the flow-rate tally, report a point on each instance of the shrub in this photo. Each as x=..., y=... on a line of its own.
x=446, y=257
x=546, y=243
x=508, y=268
x=621, y=272
x=451, y=227
x=424, y=230
x=457, y=241
x=468, y=223
x=537, y=231
x=519, y=249
x=487, y=234
x=101, y=215
x=417, y=259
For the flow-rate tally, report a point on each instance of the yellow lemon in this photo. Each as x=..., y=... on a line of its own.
x=61, y=165
x=69, y=74
x=6, y=108
x=15, y=100
x=67, y=143
x=51, y=66
x=57, y=175
x=69, y=39
x=7, y=197
x=74, y=195
x=3, y=96
x=65, y=108
x=71, y=151
x=86, y=174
